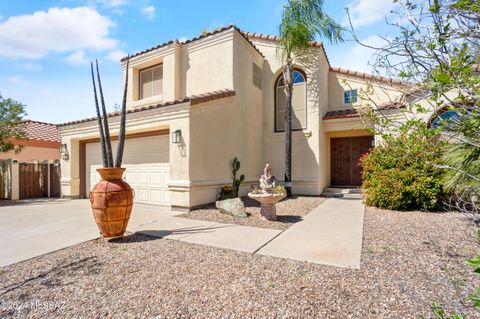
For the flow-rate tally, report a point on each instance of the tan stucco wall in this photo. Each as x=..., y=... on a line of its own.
x=239, y=126
x=379, y=92
x=32, y=154
x=195, y=68
x=307, y=165
x=172, y=118
x=227, y=129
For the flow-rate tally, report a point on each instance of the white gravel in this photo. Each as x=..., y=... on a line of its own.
x=409, y=260
x=289, y=212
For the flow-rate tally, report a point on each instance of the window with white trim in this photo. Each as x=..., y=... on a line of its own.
x=350, y=97
x=151, y=82
x=299, y=102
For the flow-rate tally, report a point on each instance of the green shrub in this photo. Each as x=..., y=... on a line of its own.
x=400, y=174
x=279, y=189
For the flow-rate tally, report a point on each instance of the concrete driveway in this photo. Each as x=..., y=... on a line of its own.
x=34, y=228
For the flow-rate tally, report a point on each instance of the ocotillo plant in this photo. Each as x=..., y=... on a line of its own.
x=105, y=140
x=236, y=182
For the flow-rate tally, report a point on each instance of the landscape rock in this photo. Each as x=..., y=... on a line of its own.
x=232, y=206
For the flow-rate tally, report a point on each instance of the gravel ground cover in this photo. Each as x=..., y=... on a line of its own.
x=409, y=260
x=289, y=212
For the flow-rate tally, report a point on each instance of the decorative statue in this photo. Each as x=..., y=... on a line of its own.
x=267, y=180
x=270, y=194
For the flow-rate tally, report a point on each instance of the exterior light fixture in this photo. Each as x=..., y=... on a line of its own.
x=64, y=152
x=177, y=136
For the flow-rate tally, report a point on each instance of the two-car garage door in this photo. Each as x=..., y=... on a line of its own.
x=147, y=162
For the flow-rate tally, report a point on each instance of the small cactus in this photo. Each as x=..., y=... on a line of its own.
x=236, y=181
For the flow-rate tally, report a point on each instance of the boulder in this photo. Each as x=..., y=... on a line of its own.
x=232, y=206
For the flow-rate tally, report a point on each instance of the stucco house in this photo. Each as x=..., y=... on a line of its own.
x=195, y=105
x=42, y=142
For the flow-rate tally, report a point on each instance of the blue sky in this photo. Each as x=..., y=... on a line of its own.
x=45, y=46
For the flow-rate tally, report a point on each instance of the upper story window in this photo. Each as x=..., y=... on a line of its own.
x=151, y=82
x=350, y=97
x=299, y=102
x=445, y=119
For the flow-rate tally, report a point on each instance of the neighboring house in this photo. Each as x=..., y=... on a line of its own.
x=42, y=142
x=194, y=106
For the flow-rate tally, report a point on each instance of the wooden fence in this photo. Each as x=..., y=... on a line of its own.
x=34, y=180
x=29, y=180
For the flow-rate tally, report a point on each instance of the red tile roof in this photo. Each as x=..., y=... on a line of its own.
x=202, y=36
x=262, y=36
x=364, y=75
x=193, y=100
x=337, y=114
x=392, y=106
x=41, y=131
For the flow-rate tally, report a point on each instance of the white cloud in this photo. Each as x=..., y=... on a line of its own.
x=183, y=39
x=360, y=58
x=15, y=80
x=56, y=30
x=149, y=12
x=113, y=3
x=115, y=55
x=366, y=12
x=29, y=66
x=77, y=58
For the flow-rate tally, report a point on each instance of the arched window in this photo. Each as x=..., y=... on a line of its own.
x=299, y=102
x=444, y=119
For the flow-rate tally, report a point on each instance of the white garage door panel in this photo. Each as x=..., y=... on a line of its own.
x=147, y=162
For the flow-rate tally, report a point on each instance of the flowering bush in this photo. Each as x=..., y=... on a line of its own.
x=400, y=174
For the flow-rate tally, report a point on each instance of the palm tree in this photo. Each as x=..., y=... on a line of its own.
x=302, y=21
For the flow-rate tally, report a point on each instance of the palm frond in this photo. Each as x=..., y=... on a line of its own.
x=302, y=21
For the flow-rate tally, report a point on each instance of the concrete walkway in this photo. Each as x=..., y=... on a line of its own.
x=331, y=234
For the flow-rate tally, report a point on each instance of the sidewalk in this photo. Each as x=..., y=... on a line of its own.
x=331, y=234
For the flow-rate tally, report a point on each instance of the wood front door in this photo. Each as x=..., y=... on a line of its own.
x=345, y=153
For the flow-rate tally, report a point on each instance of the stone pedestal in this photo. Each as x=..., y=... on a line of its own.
x=268, y=211
x=268, y=202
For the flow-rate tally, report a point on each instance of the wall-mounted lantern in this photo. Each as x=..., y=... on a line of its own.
x=64, y=152
x=177, y=136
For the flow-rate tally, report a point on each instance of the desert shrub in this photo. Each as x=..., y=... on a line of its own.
x=279, y=189
x=400, y=173
x=226, y=192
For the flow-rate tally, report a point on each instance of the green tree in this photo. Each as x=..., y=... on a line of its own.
x=11, y=128
x=436, y=50
x=302, y=21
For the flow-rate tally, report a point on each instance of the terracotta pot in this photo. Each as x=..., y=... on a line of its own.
x=112, y=201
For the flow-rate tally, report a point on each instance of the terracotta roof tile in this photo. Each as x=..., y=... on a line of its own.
x=369, y=76
x=392, y=106
x=193, y=100
x=202, y=36
x=261, y=36
x=41, y=131
x=347, y=113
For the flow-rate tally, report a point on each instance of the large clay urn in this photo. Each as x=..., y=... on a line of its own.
x=112, y=201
